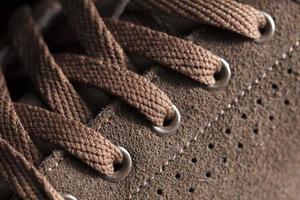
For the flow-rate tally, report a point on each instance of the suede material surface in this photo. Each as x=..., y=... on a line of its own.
x=252, y=152
x=228, y=160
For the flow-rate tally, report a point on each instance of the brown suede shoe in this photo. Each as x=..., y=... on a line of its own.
x=152, y=99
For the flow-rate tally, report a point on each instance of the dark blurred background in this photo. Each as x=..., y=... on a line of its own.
x=6, y=9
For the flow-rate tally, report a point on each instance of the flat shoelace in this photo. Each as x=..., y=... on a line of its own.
x=105, y=65
x=228, y=14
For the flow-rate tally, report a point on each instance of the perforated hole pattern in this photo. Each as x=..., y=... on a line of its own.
x=249, y=133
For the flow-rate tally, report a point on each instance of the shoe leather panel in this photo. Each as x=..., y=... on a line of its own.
x=129, y=129
x=266, y=166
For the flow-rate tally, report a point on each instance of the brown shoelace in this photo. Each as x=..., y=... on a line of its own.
x=228, y=14
x=62, y=122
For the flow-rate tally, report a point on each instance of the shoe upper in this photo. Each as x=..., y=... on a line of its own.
x=238, y=142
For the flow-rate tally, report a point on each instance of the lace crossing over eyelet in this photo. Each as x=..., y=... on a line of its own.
x=69, y=197
x=223, y=76
x=269, y=29
x=124, y=169
x=172, y=127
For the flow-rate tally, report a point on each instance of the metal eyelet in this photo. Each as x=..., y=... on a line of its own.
x=172, y=127
x=224, y=76
x=69, y=197
x=124, y=170
x=269, y=29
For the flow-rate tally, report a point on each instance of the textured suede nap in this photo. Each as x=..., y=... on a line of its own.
x=250, y=152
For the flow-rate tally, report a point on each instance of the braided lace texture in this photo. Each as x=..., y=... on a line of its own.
x=228, y=14
x=62, y=122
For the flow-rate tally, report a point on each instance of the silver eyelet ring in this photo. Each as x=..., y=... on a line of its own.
x=125, y=169
x=172, y=127
x=69, y=197
x=269, y=29
x=225, y=75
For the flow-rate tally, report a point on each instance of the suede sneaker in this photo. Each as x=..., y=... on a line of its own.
x=151, y=99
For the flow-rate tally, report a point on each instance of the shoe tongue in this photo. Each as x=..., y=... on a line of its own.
x=111, y=9
x=171, y=24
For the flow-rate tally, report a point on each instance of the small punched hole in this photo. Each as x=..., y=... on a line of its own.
x=228, y=131
x=178, y=176
x=255, y=130
x=208, y=174
x=211, y=146
x=289, y=71
x=224, y=160
x=191, y=190
x=287, y=102
x=244, y=116
x=159, y=191
x=240, y=145
x=194, y=160
x=274, y=86
x=271, y=117
x=259, y=101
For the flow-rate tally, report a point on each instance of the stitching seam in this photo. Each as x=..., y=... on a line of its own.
x=56, y=164
x=208, y=125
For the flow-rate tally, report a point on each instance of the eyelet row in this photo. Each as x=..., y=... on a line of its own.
x=222, y=82
x=224, y=74
x=224, y=77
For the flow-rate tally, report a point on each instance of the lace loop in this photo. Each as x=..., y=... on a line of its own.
x=70, y=135
x=131, y=87
x=178, y=54
x=108, y=60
